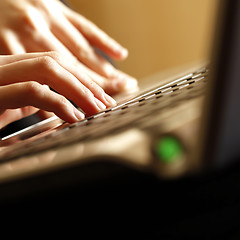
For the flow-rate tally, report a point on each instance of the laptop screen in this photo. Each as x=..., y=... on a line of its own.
x=223, y=132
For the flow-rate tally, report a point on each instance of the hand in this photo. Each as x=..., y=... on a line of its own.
x=24, y=81
x=46, y=25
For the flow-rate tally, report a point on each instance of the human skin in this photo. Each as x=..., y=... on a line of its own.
x=45, y=44
x=24, y=81
x=49, y=25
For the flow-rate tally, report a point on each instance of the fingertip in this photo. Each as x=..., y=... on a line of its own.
x=79, y=115
x=99, y=104
x=120, y=52
x=109, y=100
x=124, y=83
x=131, y=84
x=124, y=53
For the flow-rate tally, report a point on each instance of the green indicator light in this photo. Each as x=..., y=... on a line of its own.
x=169, y=149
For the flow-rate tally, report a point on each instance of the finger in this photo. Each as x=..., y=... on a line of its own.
x=10, y=44
x=40, y=37
x=80, y=73
x=46, y=70
x=80, y=47
x=7, y=59
x=72, y=66
x=32, y=44
x=50, y=43
x=121, y=82
x=34, y=94
x=107, y=84
x=96, y=36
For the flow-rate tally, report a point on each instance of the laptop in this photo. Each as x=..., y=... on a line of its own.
x=180, y=123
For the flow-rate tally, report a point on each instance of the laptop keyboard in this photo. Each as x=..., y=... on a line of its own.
x=136, y=112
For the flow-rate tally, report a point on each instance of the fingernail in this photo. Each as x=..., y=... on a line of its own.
x=99, y=104
x=79, y=115
x=109, y=99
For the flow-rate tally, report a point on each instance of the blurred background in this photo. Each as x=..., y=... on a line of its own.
x=159, y=34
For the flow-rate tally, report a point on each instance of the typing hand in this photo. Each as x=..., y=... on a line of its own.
x=24, y=81
x=48, y=25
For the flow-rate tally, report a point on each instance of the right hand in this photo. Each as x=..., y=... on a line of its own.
x=23, y=90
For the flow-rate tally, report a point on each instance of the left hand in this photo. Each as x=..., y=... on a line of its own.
x=48, y=25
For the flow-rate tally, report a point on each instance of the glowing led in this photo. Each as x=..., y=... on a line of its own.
x=169, y=149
